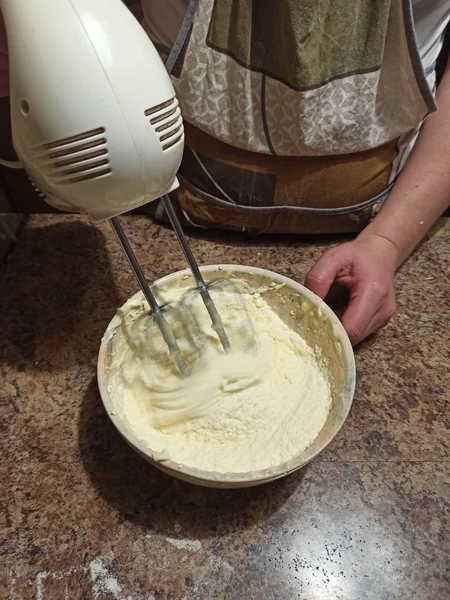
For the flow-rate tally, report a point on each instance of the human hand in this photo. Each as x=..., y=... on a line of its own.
x=366, y=266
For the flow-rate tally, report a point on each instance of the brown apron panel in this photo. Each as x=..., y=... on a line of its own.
x=329, y=182
x=205, y=214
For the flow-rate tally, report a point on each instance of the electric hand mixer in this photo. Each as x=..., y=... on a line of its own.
x=95, y=121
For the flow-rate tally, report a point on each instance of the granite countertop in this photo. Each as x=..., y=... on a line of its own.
x=85, y=517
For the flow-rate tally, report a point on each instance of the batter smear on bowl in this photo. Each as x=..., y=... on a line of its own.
x=252, y=409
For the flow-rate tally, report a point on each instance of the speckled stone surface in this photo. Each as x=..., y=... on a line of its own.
x=85, y=518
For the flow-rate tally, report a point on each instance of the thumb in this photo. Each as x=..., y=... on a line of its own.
x=324, y=272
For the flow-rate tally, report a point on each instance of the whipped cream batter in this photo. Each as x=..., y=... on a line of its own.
x=254, y=408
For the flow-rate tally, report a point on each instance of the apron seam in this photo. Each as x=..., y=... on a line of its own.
x=345, y=210
x=414, y=55
x=182, y=36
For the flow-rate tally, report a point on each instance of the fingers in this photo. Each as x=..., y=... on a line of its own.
x=371, y=285
x=358, y=316
x=324, y=272
x=370, y=309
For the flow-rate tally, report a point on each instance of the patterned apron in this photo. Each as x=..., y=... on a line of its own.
x=299, y=113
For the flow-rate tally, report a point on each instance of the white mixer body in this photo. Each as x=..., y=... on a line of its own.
x=95, y=120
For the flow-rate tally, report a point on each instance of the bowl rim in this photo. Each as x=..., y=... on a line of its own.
x=211, y=478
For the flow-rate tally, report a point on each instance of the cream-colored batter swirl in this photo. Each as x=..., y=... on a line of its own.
x=251, y=409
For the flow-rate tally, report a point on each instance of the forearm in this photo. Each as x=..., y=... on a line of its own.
x=422, y=192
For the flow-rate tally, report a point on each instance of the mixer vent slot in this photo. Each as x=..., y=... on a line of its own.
x=155, y=109
x=88, y=177
x=167, y=123
x=78, y=158
x=75, y=138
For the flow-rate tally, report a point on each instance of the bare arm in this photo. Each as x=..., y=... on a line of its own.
x=422, y=192
x=367, y=265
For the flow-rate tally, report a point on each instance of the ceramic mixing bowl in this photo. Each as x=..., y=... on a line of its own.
x=303, y=312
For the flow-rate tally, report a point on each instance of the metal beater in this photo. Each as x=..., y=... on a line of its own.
x=200, y=284
x=157, y=311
